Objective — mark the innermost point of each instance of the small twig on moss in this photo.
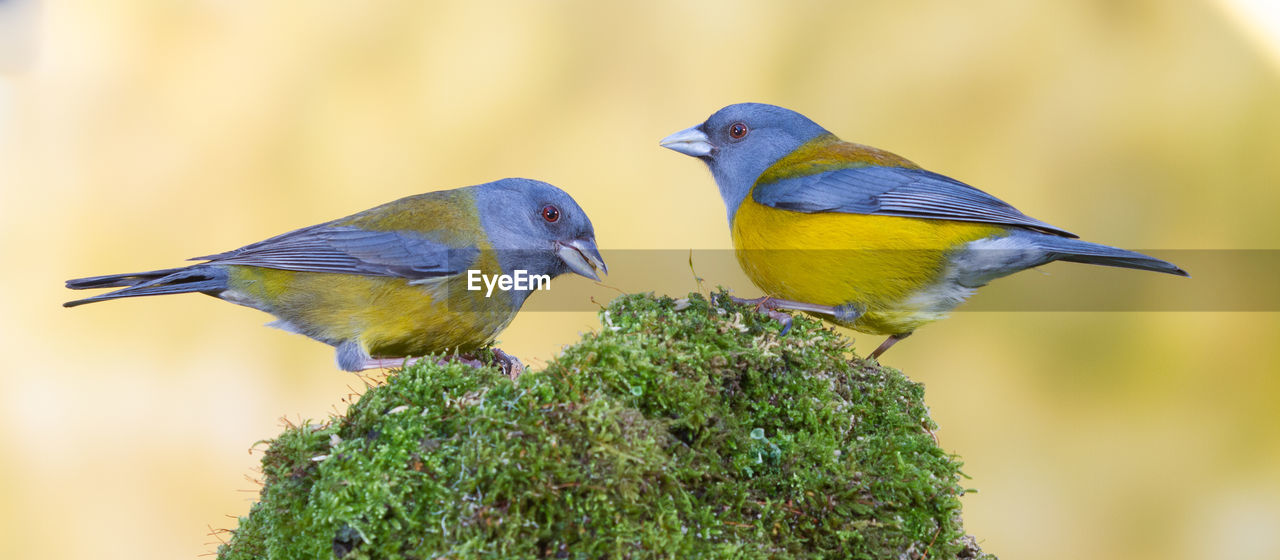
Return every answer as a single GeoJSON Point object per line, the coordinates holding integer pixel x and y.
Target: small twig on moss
{"type": "Point", "coordinates": [925, 554]}
{"type": "Point", "coordinates": [217, 534]}
{"type": "Point", "coordinates": [611, 287]}
{"type": "Point", "coordinates": [598, 304]}
{"type": "Point", "coordinates": [697, 279]}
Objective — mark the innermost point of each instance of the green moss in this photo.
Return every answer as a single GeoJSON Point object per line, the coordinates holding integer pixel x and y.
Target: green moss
{"type": "Point", "coordinates": [681, 430]}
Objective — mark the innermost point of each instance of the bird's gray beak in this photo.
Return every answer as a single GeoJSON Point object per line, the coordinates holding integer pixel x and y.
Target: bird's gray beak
{"type": "Point", "coordinates": [690, 142]}
{"type": "Point", "coordinates": [582, 257]}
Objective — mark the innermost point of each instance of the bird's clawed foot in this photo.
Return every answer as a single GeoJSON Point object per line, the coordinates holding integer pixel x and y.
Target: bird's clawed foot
{"type": "Point", "coordinates": [770, 307]}
{"type": "Point", "coordinates": [843, 314]}
{"type": "Point", "coordinates": [509, 364]}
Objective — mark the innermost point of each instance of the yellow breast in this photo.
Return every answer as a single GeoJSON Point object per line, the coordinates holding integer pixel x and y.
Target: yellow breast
{"type": "Point", "coordinates": [389, 316]}
{"type": "Point", "coordinates": [880, 263]}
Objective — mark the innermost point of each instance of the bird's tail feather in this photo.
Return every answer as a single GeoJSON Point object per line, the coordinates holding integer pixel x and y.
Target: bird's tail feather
{"type": "Point", "coordinates": [1075, 250]}
{"type": "Point", "coordinates": [199, 278]}
{"type": "Point", "coordinates": [119, 280]}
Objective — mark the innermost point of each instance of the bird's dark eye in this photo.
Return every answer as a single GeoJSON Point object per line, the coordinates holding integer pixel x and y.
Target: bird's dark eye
{"type": "Point", "coordinates": [550, 213]}
{"type": "Point", "coordinates": [738, 130]}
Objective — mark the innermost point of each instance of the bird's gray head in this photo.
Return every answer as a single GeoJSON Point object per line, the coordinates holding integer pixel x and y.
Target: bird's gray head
{"type": "Point", "coordinates": [740, 141]}
{"type": "Point", "coordinates": [538, 228]}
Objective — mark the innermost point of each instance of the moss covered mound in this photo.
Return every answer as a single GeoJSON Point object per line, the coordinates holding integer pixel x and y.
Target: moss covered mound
{"type": "Point", "coordinates": [684, 429]}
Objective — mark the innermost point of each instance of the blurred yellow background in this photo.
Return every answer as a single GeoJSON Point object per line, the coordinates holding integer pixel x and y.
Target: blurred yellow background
{"type": "Point", "coordinates": [135, 134]}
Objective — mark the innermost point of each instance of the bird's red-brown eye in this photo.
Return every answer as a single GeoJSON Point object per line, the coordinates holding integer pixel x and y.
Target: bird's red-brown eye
{"type": "Point", "coordinates": [738, 130]}
{"type": "Point", "coordinates": [550, 213]}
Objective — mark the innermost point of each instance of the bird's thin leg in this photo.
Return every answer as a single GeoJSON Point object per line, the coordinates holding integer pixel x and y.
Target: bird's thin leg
{"type": "Point", "coordinates": [886, 345]}
{"type": "Point", "coordinates": [470, 360]}
{"type": "Point", "coordinates": [847, 313]}
{"type": "Point", "coordinates": [387, 363]}
{"type": "Point", "coordinates": [510, 364]}
{"type": "Point", "coordinates": [771, 303]}
{"type": "Point", "coordinates": [401, 363]}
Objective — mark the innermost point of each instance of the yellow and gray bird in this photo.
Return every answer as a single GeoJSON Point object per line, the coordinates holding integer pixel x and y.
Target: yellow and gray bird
{"type": "Point", "coordinates": [862, 236]}
{"type": "Point", "coordinates": [408, 278]}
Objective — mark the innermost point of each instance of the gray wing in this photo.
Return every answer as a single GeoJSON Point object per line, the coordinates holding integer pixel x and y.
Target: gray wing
{"type": "Point", "coordinates": [894, 191]}
{"type": "Point", "coordinates": [351, 250]}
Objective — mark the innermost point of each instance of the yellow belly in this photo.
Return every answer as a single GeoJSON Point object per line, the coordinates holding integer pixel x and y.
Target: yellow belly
{"type": "Point", "coordinates": [389, 316]}
{"type": "Point", "coordinates": [885, 265]}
